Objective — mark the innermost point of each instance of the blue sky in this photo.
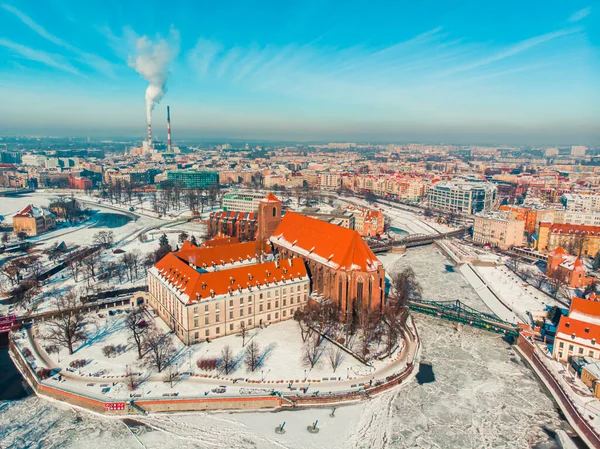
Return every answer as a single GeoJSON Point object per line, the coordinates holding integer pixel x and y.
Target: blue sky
{"type": "Point", "coordinates": [469, 71]}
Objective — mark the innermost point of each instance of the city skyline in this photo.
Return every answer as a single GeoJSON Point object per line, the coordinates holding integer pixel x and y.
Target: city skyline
{"type": "Point", "coordinates": [507, 73]}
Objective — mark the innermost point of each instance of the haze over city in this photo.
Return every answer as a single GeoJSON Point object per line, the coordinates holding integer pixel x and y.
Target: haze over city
{"type": "Point", "coordinates": [390, 71]}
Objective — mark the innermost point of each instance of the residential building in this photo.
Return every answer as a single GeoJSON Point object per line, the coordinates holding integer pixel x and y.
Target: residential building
{"type": "Point", "coordinates": [33, 221]}
{"type": "Point", "coordinates": [578, 333]}
{"type": "Point", "coordinates": [581, 202]}
{"type": "Point", "coordinates": [497, 229]}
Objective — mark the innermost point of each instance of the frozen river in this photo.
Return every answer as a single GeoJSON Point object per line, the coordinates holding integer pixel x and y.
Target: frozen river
{"type": "Point", "coordinates": [441, 281]}
{"type": "Point", "coordinates": [482, 397]}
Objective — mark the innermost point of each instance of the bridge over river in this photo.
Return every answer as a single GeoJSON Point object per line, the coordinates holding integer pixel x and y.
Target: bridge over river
{"type": "Point", "coordinates": [461, 313]}
{"type": "Point", "coordinates": [412, 240]}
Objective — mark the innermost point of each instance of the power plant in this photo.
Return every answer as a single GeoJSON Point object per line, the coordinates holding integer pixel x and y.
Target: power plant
{"type": "Point", "coordinates": [168, 129]}
{"type": "Point", "coordinates": [154, 146]}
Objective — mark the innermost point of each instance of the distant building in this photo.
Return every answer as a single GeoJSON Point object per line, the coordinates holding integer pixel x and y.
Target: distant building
{"type": "Point", "coordinates": [462, 196]}
{"type": "Point", "coordinates": [33, 221]}
{"type": "Point", "coordinates": [578, 333]}
{"type": "Point", "coordinates": [578, 150]}
{"type": "Point", "coordinates": [580, 240]}
{"type": "Point", "coordinates": [497, 229]}
{"type": "Point", "coordinates": [581, 202]}
{"type": "Point", "coordinates": [80, 182]}
{"type": "Point", "coordinates": [242, 201]}
{"type": "Point", "coordinates": [194, 179]}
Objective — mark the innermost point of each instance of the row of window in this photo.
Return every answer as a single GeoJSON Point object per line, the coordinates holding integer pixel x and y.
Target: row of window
{"type": "Point", "coordinates": [217, 333]}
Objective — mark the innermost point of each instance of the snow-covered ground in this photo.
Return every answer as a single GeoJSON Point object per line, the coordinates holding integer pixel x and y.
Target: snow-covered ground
{"type": "Point", "coordinates": [482, 397]}
{"type": "Point", "coordinates": [280, 346]}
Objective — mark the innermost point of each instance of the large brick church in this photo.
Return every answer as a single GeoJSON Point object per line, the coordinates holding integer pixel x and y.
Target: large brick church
{"type": "Point", "coordinates": [341, 266]}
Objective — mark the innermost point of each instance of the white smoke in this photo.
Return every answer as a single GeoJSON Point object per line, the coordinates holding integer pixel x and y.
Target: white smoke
{"type": "Point", "coordinates": [152, 61]}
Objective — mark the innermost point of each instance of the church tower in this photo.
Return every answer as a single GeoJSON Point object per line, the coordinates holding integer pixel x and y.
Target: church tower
{"type": "Point", "coordinates": [269, 217]}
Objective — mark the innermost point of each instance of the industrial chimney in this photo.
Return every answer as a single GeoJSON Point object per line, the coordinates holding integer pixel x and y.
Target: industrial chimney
{"type": "Point", "coordinates": [149, 136]}
{"type": "Point", "coordinates": [168, 129]}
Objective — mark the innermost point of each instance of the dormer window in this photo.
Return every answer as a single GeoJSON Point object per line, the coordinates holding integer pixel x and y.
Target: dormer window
{"type": "Point", "coordinates": [573, 336]}
{"type": "Point", "coordinates": [587, 330]}
{"type": "Point", "coordinates": [567, 324]}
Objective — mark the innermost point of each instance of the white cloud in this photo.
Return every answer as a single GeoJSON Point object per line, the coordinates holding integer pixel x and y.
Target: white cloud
{"type": "Point", "coordinates": [49, 59]}
{"type": "Point", "coordinates": [581, 14]}
{"type": "Point", "coordinates": [92, 60]}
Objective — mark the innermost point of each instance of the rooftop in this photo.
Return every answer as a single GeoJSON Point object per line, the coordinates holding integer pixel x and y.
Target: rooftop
{"type": "Point", "coordinates": [193, 286]}
{"type": "Point", "coordinates": [329, 244]}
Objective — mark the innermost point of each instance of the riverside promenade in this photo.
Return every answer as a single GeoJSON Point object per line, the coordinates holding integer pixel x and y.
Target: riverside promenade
{"type": "Point", "coordinates": [532, 356]}
{"type": "Point", "coordinates": [69, 387]}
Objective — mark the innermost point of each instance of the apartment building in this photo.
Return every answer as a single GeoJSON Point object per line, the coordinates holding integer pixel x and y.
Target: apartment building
{"type": "Point", "coordinates": [581, 202]}
{"type": "Point", "coordinates": [497, 229]}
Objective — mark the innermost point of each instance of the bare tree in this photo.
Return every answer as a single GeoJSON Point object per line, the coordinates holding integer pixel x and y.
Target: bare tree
{"type": "Point", "coordinates": [311, 351]}
{"type": "Point", "coordinates": [368, 324]}
{"type": "Point", "coordinates": [75, 268]}
{"type": "Point", "coordinates": [406, 286]}
{"type": "Point", "coordinates": [67, 328]}
{"type": "Point", "coordinates": [556, 283]}
{"type": "Point", "coordinates": [137, 327]}
{"type": "Point", "coordinates": [133, 378]}
{"type": "Point", "coordinates": [104, 238]}
{"type": "Point", "coordinates": [538, 278]}
{"type": "Point", "coordinates": [335, 355]}
{"type": "Point", "coordinates": [393, 322]}
{"type": "Point", "coordinates": [160, 348]}
{"type": "Point", "coordinates": [171, 375]}
{"type": "Point", "coordinates": [243, 333]}
{"type": "Point", "coordinates": [253, 356]}
{"type": "Point", "coordinates": [91, 262]}
{"type": "Point", "coordinates": [227, 361]}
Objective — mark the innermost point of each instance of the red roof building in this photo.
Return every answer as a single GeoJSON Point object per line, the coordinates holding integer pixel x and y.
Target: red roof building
{"type": "Point", "coordinates": [578, 334]}
{"type": "Point", "coordinates": [341, 265]}
{"type": "Point", "coordinates": [204, 293]}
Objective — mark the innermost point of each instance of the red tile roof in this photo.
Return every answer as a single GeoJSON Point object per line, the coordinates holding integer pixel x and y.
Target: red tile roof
{"type": "Point", "coordinates": [204, 257]}
{"type": "Point", "coordinates": [326, 243]}
{"type": "Point", "coordinates": [574, 229]}
{"type": "Point", "coordinates": [270, 198]}
{"type": "Point", "coordinates": [585, 310]}
{"type": "Point", "coordinates": [581, 329]}
{"type": "Point", "coordinates": [197, 286]}
{"type": "Point", "coordinates": [219, 240]}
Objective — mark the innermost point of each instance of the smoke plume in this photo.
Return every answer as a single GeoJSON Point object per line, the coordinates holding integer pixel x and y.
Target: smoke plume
{"type": "Point", "coordinates": [152, 61]}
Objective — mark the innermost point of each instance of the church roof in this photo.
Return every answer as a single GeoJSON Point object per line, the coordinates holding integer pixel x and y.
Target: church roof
{"type": "Point", "coordinates": [559, 251]}
{"type": "Point", "coordinates": [270, 198]}
{"type": "Point", "coordinates": [326, 243]}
